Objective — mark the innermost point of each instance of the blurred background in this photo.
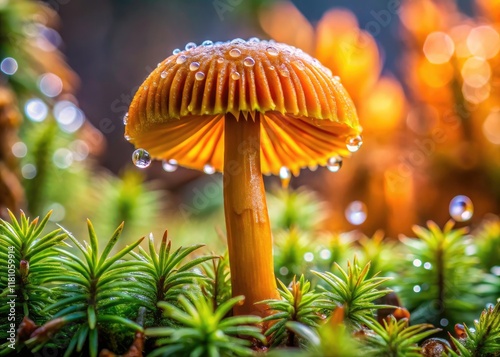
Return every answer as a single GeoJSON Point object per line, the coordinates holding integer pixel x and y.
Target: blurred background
{"type": "Point", "coordinates": [424, 75]}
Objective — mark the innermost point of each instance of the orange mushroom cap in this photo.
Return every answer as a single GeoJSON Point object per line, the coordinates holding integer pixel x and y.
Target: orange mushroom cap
{"type": "Point", "coordinates": [306, 114]}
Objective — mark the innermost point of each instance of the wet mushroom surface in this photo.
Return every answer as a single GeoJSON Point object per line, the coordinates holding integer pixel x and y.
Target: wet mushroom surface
{"type": "Point", "coordinates": [244, 108]}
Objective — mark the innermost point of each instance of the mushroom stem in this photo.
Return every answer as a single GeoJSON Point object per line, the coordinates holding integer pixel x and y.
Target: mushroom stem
{"type": "Point", "coordinates": [247, 221]}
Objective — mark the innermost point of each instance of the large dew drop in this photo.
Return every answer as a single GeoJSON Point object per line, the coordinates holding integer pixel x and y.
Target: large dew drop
{"type": "Point", "coordinates": [354, 143]}
{"type": "Point", "coordinates": [208, 169]}
{"type": "Point", "coordinates": [169, 165]}
{"type": "Point", "coordinates": [355, 213]}
{"type": "Point", "coordinates": [141, 158]}
{"type": "Point", "coordinates": [272, 51]}
{"type": "Point", "coordinates": [199, 76]}
{"type": "Point", "coordinates": [194, 66]}
{"type": "Point", "coordinates": [334, 163]}
{"type": "Point", "coordinates": [235, 53]}
{"type": "Point", "coordinates": [285, 176]}
{"type": "Point", "coordinates": [235, 76]}
{"type": "Point", "coordinates": [461, 208]}
{"type": "Point", "coordinates": [300, 65]}
{"type": "Point", "coordinates": [283, 70]}
{"type": "Point", "coordinates": [181, 59]}
{"type": "Point", "coordinates": [249, 62]}
{"type": "Point", "coordinates": [190, 45]}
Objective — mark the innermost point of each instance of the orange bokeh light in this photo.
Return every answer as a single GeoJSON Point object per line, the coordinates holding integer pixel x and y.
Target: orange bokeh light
{"type": "Point", "coordinates": [438, 47]}
{"type": "Point", "coordinates": [459, 34]}
{"type": "Point", "coordinates": [476, 95]}
{"type": "Point", "coordinates": [435, 75]}
{"type": "Point", "coordinates": [491, 127]}
{"type": "Point", "coordinates": [476, 72]}
{"type": "Point", "coordinates": [384, 106]}
{"type": "Point", "coordinates": [484, 42]}
{"type": "Point", "coordinates": [420, 17]}
{"type": "Point", "coordinates": [287, 24]}
{"type": "Point", "coordinates": [349, 52]}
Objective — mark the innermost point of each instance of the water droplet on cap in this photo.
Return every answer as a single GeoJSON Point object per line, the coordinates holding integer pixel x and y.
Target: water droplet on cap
{"type": "Point", "coordinates": [249, 62]}
{"type": "Point", "coordinates": [199, 76]}
{"type": "Point", "coordinates": [208, 169]}
{"type": "Point", "coordinates": [334, 163]}
{"type": "Point", "coordinates": [337, 78]}
{"type": "Point", "coordinates": [127, 137]}
{"type": "Point", "coordinates": [163, 74]}
{"type": "Point", "coordinates": [141, 158]}
{"type": "Point", "coordinates": [284, 70]}
{"type": "Point", "coordinates": [220, 60]}
{"type": "Point", "coordinates": [169, 165]}
{"type": "Point", "coordinates": [354, 143]}
{"type": "Point", "coordinates": [253, 40]}
{"type": "Point", "coordinates": [181, 59]}
{"type": "Point", "coordinates": [299, 64]}
{"type": "Point", "coordinates": [125, 119]}
{"type": "Point", "coordinates": [238, 40]}
{"type": "Point", "coordinates": [207, 43]}
{"type": "Point", "coordinates": [190, 45]}
{"type": "Point", "coordinates": [235, 53]}
{"type": "Point", "coordinates": [285, 176]}
{"type": "Point", "coordinates": [356, 213]}
{"type": "Point", "coordinates": [194, 66]}
{"type": "Point", "coordinates": [176, 51]}
{"type": "Point", "coordinates": [461, 208]}
{"type": "Point", "coordinates": [235, 76]}
{"type": "Point", "coordinates": [272, 51]}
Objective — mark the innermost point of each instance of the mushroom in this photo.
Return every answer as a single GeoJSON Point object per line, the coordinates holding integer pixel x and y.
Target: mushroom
{"type": "Point", "coordinates": [245, 108]}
